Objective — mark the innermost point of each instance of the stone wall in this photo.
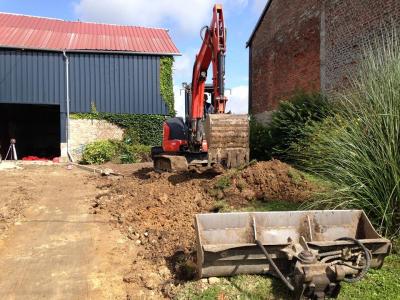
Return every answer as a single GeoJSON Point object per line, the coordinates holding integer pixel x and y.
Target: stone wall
{"type": "Point", "coordinates": [83, 132]}
{"type": "Point", "coordinates": [285, 53]}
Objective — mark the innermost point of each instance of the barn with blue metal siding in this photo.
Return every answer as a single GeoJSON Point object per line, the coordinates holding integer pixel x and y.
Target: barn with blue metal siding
{"type": "Point", "coordinates": [44, 62]}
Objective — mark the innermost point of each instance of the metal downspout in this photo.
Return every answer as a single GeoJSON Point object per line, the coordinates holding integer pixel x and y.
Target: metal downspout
{"type": "Point", "coordinates": [68, 102]}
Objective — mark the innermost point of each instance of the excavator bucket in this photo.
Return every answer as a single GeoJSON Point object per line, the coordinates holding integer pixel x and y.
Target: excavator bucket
{"type": "Point", "coordinates": [311, 251]}
{"type": "Point", "coordinates": [228, 139]}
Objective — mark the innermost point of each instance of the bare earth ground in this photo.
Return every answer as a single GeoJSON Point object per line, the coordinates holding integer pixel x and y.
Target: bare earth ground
{"type": "Point", "coordinates": [50, 246]}
{"type": "Point", "coordinates": [156, 211]}
{"type": "Point", "coordinates": [70, 234]}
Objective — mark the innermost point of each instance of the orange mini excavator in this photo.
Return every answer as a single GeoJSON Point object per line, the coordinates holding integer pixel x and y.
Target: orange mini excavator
{"type": "Point", "coordinates": [208, 135]}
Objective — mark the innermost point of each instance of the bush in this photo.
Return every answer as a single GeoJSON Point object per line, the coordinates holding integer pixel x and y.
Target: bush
{"type": "Point", "coordinates": [128, 154]}
{"type": "Point", "coordinates": [358, 148]}
{"type": "Point", "coordinates": [131, 136]}
{"type": "Point", "coordinates": [290, 124]}
{"type": "Point", "coordinates": [291, 120]}
{"type": "Point", "coordinates": [99, 152]}
{"type": "Point", "coordinates": [260, 141]}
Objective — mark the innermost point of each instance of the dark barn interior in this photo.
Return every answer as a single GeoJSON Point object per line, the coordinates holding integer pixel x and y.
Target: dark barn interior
{"type": "Point", "coordinates": [36, 129]}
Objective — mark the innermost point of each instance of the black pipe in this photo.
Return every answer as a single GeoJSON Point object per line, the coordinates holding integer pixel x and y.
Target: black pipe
{"type": "Point", "coordinates": [367, 259]}
{"type": "Point", "coordinates": [281, 276]}
{"type": "Point", "coordinates": [221, 73]}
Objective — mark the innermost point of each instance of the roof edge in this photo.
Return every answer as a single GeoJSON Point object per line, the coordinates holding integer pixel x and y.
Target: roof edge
{"type": "Point", "coordinates": [91, 51]}
{"type": "Point", "coordinates": [85, 22]}
{"type": "Point", "coordinates": [267, 5]}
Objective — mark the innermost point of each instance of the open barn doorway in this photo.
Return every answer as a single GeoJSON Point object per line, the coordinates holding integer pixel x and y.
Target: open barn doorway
{"type": "Point", "coordinates": [36, 129]}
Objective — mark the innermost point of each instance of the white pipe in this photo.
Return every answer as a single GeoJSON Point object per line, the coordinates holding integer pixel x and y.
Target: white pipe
{"type": "Point", "coordinates": [68, 102]}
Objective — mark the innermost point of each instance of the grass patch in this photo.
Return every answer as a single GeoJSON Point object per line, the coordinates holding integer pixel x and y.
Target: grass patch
{"type": "Point", "coordinates": [378, 284]}
{"type": "Point", "coordinates": [221, 206]}
{"type": "Point", "coordinates": [238, 287]}
{"type": "Point", "coordinates": [276, 205]}
{"type": "Point", "coordinates": [223, 182]}
{"type": "Point", "coordinates": [257, 205]}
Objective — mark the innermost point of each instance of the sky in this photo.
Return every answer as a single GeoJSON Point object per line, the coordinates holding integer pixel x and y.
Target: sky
{"type": "Point", "coordinates": [183, 18]}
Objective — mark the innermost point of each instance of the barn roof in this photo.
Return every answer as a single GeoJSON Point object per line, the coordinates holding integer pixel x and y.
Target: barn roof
{"type": "Point", "coordinates": [29, 32]}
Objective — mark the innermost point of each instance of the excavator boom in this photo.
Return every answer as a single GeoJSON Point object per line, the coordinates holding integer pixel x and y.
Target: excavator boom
{"type": "Point", "coordinates": [208, 135]}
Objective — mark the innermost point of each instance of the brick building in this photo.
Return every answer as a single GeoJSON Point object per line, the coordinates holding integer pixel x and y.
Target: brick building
{"type": "Point", "coordinates": [310, 45]}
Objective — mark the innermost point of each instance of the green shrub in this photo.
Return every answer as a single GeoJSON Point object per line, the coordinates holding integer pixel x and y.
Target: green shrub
{"type": "Point", "coordinates": [260, 141]}
{"type": "Point", "coordinates": [223, 182]}
{"type": "Point", "coordinates": [358, 148]}
{"type": "Point", "coordinates": [290, 124]}
{"type": "Point", "coordinates": [131, 136]}
{"type": "Point", "coordinates": [291, 120]}
{"type": "Point", "coordinates": [136, 153]}
{"type": "Point", "coordinates": [99, 152]}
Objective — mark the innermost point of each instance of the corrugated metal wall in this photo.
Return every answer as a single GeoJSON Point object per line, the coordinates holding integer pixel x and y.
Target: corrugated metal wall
{"type": "Point", "coordinates": [28, 77]}
{"type": "Point", "coordinates": [116, 83]}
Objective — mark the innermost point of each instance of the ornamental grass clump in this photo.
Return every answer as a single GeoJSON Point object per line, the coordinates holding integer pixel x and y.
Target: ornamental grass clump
{"type": "Point", "coordinates": [357, 149]}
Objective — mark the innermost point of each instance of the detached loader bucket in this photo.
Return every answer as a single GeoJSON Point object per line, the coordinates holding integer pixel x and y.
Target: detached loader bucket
{"type": "Point", "coordinates": [311, 251]}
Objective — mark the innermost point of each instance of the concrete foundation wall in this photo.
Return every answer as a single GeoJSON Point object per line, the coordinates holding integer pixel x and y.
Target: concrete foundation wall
{"type": "Point", "coordinates": [83, 132]}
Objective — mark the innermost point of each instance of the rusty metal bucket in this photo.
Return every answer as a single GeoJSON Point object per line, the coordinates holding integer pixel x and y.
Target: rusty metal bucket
{"type": "Point", "coordinates": [227, 245]}
{"type": "Point", "coordinates": [228, 139]}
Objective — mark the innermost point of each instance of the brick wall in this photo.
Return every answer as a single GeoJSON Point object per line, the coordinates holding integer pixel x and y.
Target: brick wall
{"type": "Point", "coordinates": [285, 53]}
{"type": "Point", "coordinates": [349, 24]}
{"type": "Point", "coordinates": [83, 132]}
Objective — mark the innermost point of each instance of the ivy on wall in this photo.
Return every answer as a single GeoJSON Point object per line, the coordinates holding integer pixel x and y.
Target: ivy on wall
{"type": "Point", "coordinates": [166, 83]}
{"type": "Point", "coordinates": [148, 128]}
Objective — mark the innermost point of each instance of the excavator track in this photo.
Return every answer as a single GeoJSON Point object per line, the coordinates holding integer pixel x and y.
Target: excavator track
{"type": "Point", "coordinates": [228, 139]}
{"type": "Point", "coordinates": [170, 163]}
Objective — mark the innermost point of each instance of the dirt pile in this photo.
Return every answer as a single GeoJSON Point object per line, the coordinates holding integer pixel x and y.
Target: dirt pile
{"type": "Point", "coordinates": [156, 212]}
{"type": "Point", "coordinates": [267, 181]}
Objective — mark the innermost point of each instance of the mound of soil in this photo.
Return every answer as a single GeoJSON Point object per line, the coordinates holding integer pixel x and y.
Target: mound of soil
{"type": "Point", "coordinates": [156, 212]}
{"type": "Point", "coordinates": [157, 209]}
{"type": "Point", "coordinates": [267, 181]}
